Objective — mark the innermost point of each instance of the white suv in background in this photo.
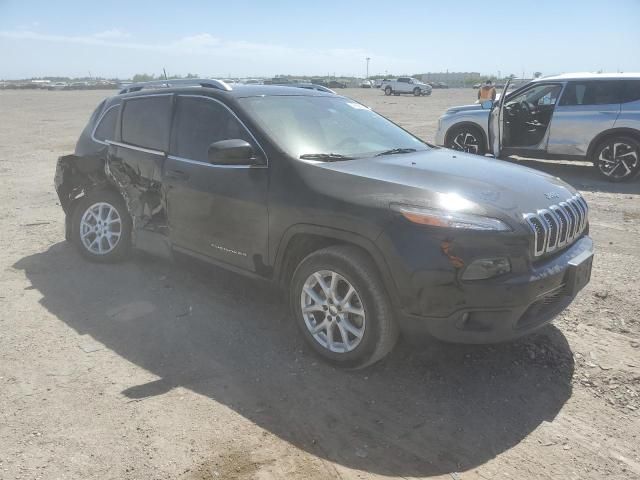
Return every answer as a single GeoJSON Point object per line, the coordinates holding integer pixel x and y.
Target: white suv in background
{"type": "Point", "coordinates": [579, 116]}
{"type": "Point", "coordinates": [405, 85]}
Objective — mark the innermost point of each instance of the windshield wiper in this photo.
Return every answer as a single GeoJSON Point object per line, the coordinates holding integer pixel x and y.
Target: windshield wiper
{"type": "Point", "coordinates": [327, 157]}
{"type": "Point", "coordinates": [393, 151]}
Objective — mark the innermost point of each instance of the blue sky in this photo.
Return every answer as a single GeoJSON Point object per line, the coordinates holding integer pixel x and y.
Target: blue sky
{"type": "Point", "coordinates": [250, 38]}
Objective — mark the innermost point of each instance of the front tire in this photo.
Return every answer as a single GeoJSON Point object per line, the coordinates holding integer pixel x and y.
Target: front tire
{"type": "Point", "coordinates": [342, 308]}
{"type": "Point", "coordinates": [101, 227]}
{"type": "Point", "coordinates": [617, 158]}
{"type": "Point", "coordinates": [466, 139]}
{"type": "Point", "coordinates": [416, 92]}
{"type": "Point", "coordinates": [387, 91]}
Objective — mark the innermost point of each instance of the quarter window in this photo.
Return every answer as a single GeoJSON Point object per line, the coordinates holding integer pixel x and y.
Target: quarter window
{"type": "Point", "coordinates": [107, 126]}
{"type": "Point", "coordinates": [198, 123]}
{"type": "Point", "coordinates": [597, 92]}
{"type": "Point", "coordinates": [631, 90]}
{"type": "Point", "coordinates": [146, 121]}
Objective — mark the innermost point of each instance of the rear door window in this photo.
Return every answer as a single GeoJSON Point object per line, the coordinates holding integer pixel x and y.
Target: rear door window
{"type": "Point", "coordinates": [594, 92]}
{"type": "Point", "coordinates": [198, 123]}
{"type": "Point", "coordinates": [107, 127]}
{"type": "Point", "coordinates": [146, 122]}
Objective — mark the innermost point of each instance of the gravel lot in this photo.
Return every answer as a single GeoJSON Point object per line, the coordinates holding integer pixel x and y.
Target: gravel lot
{"type": "Point", "coordinates": [150, 369]}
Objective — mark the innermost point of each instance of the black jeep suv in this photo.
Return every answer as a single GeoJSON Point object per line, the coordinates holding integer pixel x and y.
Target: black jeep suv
{"type": "Point", "coordinates": [370, 230]}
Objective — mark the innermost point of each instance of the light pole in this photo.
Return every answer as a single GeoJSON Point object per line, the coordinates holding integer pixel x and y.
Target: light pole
{"type": "Point", "coordinates": [367, 59]}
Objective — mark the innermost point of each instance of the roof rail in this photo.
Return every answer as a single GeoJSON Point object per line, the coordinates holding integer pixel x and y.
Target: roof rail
{"type": "Point", "coordinates": [188, 82]}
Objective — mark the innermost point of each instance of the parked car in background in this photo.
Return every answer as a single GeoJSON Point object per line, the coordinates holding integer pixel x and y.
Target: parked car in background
{"type": "Point", "coordinates": [378, 83]}
{"type": "Point", "coordinates": [370, 230]}
{"type": "Point", "coordinates": [593, 117]}
{"type": "Point", "coordinates": [336, 84]}
{"type": "Point", "coordinates": [405, 85]}
{"type": "Point", "coordinates": [366, 84]}
{"type": "Point", "coordinates": [57, 86]}
{"type": "Point", "coordinates": [438, 85]}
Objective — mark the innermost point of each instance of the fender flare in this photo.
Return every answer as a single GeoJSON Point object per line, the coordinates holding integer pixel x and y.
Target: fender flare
{"type": "Point", "coordinates": [342, 236]}
{"type": "Point", "coordinates": [612, 131]}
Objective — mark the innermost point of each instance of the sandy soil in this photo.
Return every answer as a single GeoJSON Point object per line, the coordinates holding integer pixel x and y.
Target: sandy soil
{"type": "Point", "coordinates": [150, 369]}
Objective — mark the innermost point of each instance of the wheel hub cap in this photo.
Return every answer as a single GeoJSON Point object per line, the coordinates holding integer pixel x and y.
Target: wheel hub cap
{"type": "Point", "coordinates": [332, 311]}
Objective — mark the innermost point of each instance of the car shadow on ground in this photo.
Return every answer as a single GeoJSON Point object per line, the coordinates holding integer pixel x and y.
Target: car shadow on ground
{"type": "Point", "coordinates": [427, 409]}
{"type": "Point", "coordinates": [581, 175]}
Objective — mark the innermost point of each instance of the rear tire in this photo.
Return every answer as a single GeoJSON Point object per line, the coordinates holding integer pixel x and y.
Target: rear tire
{"type": "Point", "coordinates": [387, 91]}
{"type": "Point", "coordinates": [347, 318]}
{"type": "Point", "coordinates": [466, 138]}
{"type": "Point", "coordinates": [617, 158]}
{"type": "Point", "coordinates": [101, 227]}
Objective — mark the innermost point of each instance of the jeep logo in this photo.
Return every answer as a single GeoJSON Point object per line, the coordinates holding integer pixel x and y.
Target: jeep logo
{"type": "Point", "coordinates": [551, 195]}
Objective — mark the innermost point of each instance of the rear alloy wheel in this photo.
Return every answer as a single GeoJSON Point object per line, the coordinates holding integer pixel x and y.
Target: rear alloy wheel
{"type": "Point", "coordinates": [387, 91]}
{"type": "Point", "coordinates": [102, 227]}
{"type": "Point", "coordinates": [466, 139]}
{"type": "Point", "coordinates": [618, 158]}
{"type": "Point", "coordinates": [416, 92]}
{"type": "Point", "coordinates": [342, 308]}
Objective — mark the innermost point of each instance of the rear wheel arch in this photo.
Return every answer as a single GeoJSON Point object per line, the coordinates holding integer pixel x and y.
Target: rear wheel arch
{"type": "Point", "coordinates": [301, 240]}
{"type": "Point", "coordinates": [602, 136]}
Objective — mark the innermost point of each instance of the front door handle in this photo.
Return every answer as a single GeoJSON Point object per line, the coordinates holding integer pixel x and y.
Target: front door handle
{"type": "Point", "coordinates": [177, 175]}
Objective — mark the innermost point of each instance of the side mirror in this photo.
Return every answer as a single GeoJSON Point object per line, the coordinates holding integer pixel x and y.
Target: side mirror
{"type": "Point", "coordinates": [487, 104]}
{"type": "Point", "coordinates": [231, 152]}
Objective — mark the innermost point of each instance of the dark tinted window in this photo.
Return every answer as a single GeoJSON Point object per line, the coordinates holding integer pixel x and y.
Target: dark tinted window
{"type": "Point", "coordinates": [596, 92]}
{"type": "Point", "coordinates": [198, 123]}
{"type": "Point", "coordinates": [146, 120]}
{"type": "Point", "coordinates": [631, 90]}
{"type": "Point", "coordinates": [107, 126]}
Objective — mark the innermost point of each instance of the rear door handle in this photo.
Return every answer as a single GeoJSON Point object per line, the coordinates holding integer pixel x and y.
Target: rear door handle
{"type": "Point", "coordinates": [177, 175]}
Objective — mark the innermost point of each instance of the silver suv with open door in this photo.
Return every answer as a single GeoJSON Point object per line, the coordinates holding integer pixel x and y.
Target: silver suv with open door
{"type": "Point", "coordinates": [593, 117]}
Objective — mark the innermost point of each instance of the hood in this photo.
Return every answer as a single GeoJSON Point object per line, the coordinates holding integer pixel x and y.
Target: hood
{"type": "Point", "coordinates": [442, 178]}
{"type": "Point", "coordinates": [466, 108]}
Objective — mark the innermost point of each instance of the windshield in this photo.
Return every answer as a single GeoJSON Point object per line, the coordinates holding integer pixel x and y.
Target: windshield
{"type": "Point", "coordinates": [314, 126]}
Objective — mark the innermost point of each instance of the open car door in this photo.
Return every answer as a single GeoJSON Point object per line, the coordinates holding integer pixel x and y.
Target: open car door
{"type": "Point", "coordinates": [495, 123]}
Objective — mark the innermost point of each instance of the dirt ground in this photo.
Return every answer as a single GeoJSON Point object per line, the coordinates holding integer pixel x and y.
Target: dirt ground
{"type": "Point", "coordinates": [157, 370]}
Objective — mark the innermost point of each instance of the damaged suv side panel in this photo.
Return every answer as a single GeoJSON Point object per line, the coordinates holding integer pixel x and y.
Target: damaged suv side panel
{"type": "Point", "coordinates": [97, 164]}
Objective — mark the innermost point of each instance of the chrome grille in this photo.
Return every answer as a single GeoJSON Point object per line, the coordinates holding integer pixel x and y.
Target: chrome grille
{"type": "Point", "coordinates": [559, 225]}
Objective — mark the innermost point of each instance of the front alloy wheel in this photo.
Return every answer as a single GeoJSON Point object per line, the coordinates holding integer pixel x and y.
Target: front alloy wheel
{"type": "Point", "coordinates": [466, 140]}
{"type": "Point", "coordinates": [341, 306]}
{"type": "Point", "coordinates": [618, 159]}
{"type": "Point", "coordinates": [332, 311]}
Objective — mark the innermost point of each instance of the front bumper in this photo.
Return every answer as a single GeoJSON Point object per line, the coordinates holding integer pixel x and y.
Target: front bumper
{"type": "Point", "coordinates": [496, 311]}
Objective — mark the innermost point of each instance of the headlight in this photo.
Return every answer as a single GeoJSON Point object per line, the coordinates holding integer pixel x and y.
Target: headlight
{"type": "Point", "coordinates": [449, 219]}
{"type": "Point", "coordinates": [486, 268]}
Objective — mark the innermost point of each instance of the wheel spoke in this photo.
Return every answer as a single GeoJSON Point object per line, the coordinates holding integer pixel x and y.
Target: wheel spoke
{"type": "Point", "coordinates": [319, 327]}
{"type": "Point", "coordinates": [344, 335]}
{"type": "Point", "coordinates": [330, 337]}
{"type": "Point", "coordinates": [323, 286]}
{"type": "Point", "coordinates": [312, 308]}
{"type": "Point", "coordinates": [314, 296]}
{"type": "Point", "coordinates": [353, 310]}
{"type": "Point", "coordinates": [352, 329]}
{"type": "Point", "coordinates": [347, 296]}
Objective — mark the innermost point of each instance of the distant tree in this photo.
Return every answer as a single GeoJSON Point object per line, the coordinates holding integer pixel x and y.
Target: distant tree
{"type": "Point", "coordinates": [143, 77]}
{"type": "Point", "coordinates": [537, 74]}
{"type": "Point", "coordinates": [192, 75]}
